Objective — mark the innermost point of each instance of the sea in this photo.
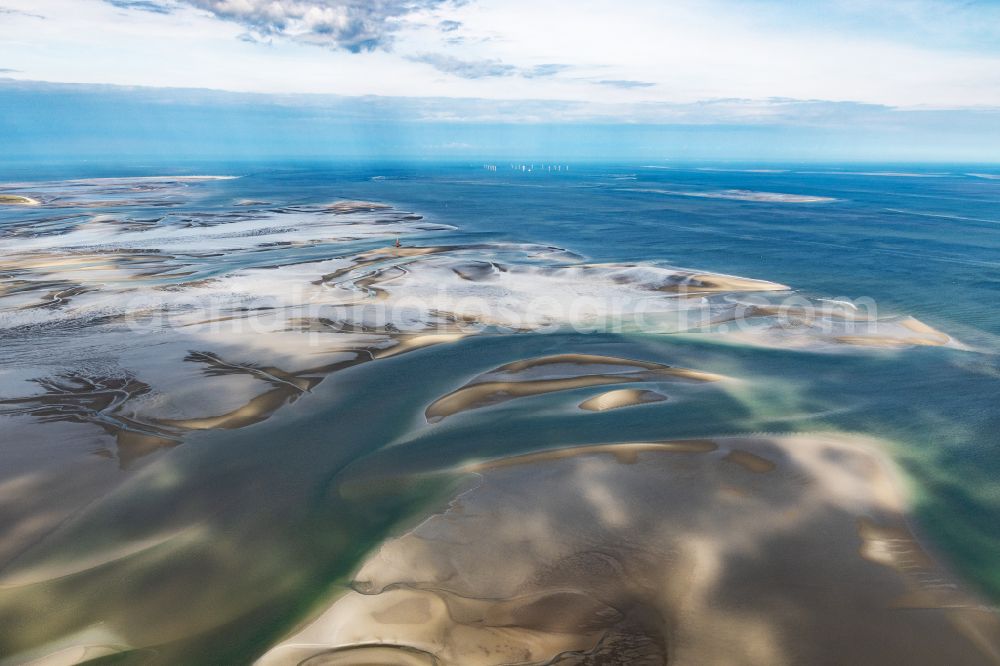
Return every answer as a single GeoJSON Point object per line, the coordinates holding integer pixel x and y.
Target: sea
{"type": "Point", "coordinates": [198, 453]}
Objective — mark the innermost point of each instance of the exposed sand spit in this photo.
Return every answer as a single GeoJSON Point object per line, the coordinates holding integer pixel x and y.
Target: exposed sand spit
{"type": "Point", "coordinates": [346, 206]}
{"type": "Point", "coordinates": [626, 454]}
{"type": "Point", "coordinates": [621, 398]}
{"type": "Point", "coordinates": [745, 195]}
{"type": "Point", "coordinates": [575, 363]}
{"type": "Point", "coordinates": [715, 282]}
{"type": "Point", "coordinates": [17, 200]}
{"type": "Point", "coordinates": [908, 332]}
{"type": "Point", "coordinates": [756, 551]}
{"type": "Point", "coordinates": [550, 374]}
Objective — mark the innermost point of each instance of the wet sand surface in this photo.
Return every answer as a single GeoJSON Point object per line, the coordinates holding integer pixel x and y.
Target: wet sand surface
{"type": "Point", "coordinates": [621, 398]}
{"type": "Point", "coordinates": [752, 551]}
{"type": "Point", "coordinates": [16, 200]}
{"type": "Point", "coordinates": [553, 374]}
{"type": "Point", "coordinates": [206, 428]}
{"type": "Point", "coordinates": [188, 280]}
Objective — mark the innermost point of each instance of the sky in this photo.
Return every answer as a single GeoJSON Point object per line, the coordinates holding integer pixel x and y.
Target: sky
{"type": "Point", "coordinates": [706, 79]}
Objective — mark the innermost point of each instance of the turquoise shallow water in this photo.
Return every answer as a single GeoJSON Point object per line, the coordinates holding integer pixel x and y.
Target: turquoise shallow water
{"type": "Point", "coordinates": [281, 533]}
{"type": "Point", "coordinates": [926, 243]}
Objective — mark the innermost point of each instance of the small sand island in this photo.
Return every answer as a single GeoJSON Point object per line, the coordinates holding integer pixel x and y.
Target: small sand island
{"type": "Point", "coordinates": [750, 195]}
{"type": "Point", "coordinates": [563, 372]}
{"type": "Point", "coordinates": [17, 200]}
{"type": "Point", "coordinates": [345, 207]}
{"type": "Point", "coordinates": [621, 398]}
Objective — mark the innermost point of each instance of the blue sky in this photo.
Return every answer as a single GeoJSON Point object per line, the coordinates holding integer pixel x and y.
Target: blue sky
{"type": "Point", "coordinates": [712, 79]}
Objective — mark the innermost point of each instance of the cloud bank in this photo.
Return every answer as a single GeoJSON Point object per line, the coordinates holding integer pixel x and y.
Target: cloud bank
{"type": "Point", "coordinates": [626, 84]}
{"type": "Point", "coordinates": [51, 122]}
{"type": "Point", "coordinates": [142, 5]}
{"type": "Point", "coordinates": [351, 25]}
{"type": "Point", "coordinates": [736, 112]}
{"type": "Point", "coordinates": [484, 69]}
{"type": "Point", "coordinates": [17, 12]}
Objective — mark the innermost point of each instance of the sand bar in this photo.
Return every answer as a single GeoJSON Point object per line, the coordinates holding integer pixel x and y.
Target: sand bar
{"type": "Point", "coordinates": [621, 398]}
{"type": "Point", "coordinates": [550, 374]}
{"type": "Point", "coordinates": [746, 551]}
{"type": "Point", "coordinates": [17, 200]}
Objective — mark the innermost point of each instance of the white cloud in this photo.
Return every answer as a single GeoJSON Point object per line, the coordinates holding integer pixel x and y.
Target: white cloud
{"type": "Point", "coordinates": [485, 69]}
{"type": "Point", "coordinates": [645, 52]}
{"type": "Point", "coordinates": [354, 25]}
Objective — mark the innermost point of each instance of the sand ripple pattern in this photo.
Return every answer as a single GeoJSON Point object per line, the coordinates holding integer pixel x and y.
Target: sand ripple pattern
{"type": "Point", "coordinates": [720, 551]}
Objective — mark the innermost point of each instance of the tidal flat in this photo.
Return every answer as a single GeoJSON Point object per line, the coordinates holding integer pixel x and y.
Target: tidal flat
{"type": "Point", "coordinates": [404, 416]}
